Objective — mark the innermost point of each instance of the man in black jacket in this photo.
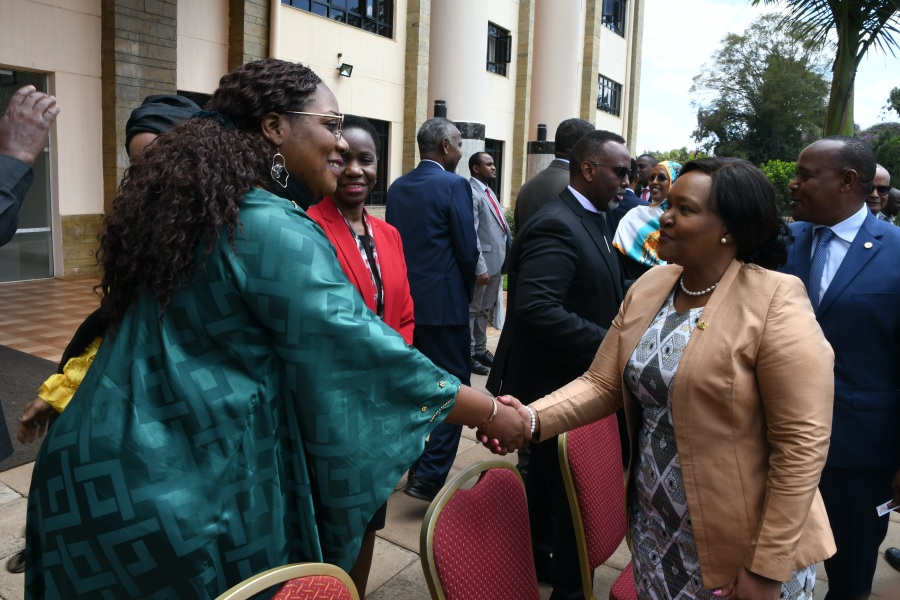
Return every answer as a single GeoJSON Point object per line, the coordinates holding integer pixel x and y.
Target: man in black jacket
{"type": "Point", "coordinates": [565, 287]}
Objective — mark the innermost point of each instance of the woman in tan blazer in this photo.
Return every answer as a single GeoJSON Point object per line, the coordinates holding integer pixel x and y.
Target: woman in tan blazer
{"type": "Point", "coordinates": [722, 486]}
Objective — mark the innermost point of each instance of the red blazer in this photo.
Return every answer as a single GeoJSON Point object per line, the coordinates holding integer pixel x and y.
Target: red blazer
{"type": "Point", "coordinates": [398, 304]}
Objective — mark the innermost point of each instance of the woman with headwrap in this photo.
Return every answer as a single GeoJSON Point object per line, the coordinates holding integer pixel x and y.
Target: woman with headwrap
{"type": "Point", "coordinates": [637, 235]}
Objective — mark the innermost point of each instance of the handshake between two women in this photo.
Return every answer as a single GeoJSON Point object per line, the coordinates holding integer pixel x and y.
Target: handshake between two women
{"type": "Point", "coordinates": [510, 428]}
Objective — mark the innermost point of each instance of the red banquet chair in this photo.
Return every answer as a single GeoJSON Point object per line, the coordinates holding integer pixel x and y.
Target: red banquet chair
{"type": "Point", "coordinates": [591, 461]}
{"type": "Point", "coordinates": [476, 543]}
{"type": "Point", "coordinates": [303, 581]}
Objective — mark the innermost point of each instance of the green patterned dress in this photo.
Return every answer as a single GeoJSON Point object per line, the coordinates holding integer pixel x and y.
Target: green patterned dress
{"type": "Point", "coordinates": [259, 421]}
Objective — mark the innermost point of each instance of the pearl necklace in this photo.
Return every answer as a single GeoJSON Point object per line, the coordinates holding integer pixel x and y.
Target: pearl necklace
{"type": "Point", "coordinates": [700, 293]}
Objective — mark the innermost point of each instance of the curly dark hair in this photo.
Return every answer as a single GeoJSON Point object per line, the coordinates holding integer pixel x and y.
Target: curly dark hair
{"type": "Point", "coordinates": [746, 201]}
{"type": "Point", "coordinates": [187, 188]}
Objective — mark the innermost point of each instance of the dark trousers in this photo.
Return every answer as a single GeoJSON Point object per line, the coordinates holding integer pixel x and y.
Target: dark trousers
{"type": "Point", "coordinates": [850, 497]}
{"type": "Point", "coordinates": [551, 522]}
{"type": "Point", "coordinates": [448, 348]}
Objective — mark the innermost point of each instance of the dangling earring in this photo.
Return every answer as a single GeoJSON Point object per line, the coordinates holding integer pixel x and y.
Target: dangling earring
{"type": "Point", "coordinates": [724, 241]}
{"type": "Point", "coordinates": [278, 169]}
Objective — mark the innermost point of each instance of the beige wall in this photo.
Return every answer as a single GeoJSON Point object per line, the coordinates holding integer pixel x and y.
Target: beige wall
{"type": "Point", "coordinates": [376, 87]}
{"type": "Point", "coordinates": [202, 44]}
{"type": "Point", "coordinates": [614, 65]}
{"type": "Point", "coordinates": [62, 39]}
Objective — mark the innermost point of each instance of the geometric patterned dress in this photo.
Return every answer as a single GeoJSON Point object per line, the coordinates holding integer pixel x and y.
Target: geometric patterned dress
{"type": "Point", "coordinates": [260, 420]}
{"type": "Point", "coordinates": [665, 555]}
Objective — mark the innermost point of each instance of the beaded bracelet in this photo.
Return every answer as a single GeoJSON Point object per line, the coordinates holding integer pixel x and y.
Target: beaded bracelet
{"type": "Point", "coordinates": [533, 419]}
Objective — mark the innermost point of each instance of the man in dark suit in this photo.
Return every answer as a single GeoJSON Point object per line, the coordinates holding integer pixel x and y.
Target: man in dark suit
{"type": "Point", "coordinates": [565, 287]}
{"type": "Point", "coordinates": [645, 164]}
{"type": "Point", "coordinates": [431, 207]}
{"type": "Point", "coordinates": [848, 260]}
{"type": "Point", "coordinates": [547, 184]}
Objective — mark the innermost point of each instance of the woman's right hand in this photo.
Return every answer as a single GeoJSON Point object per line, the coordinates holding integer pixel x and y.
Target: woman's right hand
{"type": "Point", "coordinates": [514, 432]}
{"type": "Point", "coordinates": [34, 420]}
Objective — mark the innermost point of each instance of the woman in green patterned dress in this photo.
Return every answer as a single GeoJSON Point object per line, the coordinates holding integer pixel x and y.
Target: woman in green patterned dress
{"type": "Point", "coordinates": [246, 409]}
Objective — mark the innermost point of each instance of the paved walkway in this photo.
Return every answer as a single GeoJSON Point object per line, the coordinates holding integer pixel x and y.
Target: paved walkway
{"type": "Point", "coordinates": [39, 317]}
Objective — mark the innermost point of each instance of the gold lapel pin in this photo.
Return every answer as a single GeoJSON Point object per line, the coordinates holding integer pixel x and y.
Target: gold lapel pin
{"type": "Point", "coordinates": [702, 325]}
{"type": "Point", "coordinates": [867, 245]}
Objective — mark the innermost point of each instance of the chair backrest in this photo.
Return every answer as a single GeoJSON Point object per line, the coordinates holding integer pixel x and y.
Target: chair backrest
{"type": "Point", "coordinates": [476, 543]}
{"type": "Point", "coordinates": [303, 581]}
{"type": "Point", "coordinates": [590, 458]}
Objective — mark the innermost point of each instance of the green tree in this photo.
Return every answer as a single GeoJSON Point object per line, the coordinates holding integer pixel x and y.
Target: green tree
{"type": "Point", "coordinates": [859, 25]}
{"type": "Point", "coordinates": [894, 100]}
{"type": "Point", "coordinates": [766, 91]}
{"type": "Point", "coordinates": [780, 173]}
{"type": "Point", "coordinates": [884, 138]}
{"type": "Point", "coordinates": [679, 155]}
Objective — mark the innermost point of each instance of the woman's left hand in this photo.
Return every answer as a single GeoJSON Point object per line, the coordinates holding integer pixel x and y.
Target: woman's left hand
{"type": "Point", "coordinates": [746, 585]}
{"type": "Point", "coordinates": [506, 433]}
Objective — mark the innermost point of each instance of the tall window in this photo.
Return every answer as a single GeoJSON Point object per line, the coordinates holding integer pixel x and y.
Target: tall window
{"type": "Point", "coordinates": [380, 192]}
{"type": "Point", "coordinates": [495, 149]}
{"type": "Point", "coordinates": [376, 16]}
{"type": "Point", "coordinates": [499, 50]}
{"type": "Point", "coordinates": [609, 96]}
{"type": "Point", "coordinates": [614, 15]}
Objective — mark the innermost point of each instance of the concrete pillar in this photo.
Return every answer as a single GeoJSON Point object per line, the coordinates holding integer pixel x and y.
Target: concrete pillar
{"type": "Point", "coordinates": [415, 93]}
{"type": "Point", "coordinates": [248, 31]}
{"type": "Point", "coordinates": [458, 69]}
{"type": "Point", "coordinates": [137, 59]}
{"type": "Point", "coordinates": [556, 71]}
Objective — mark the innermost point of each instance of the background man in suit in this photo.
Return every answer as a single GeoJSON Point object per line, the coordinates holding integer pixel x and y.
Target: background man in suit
{"type": "Point", "coordinates": [645, 164]}
{"type": "Point", "coordinates": [431, 207]}
{"type": "Point", "coordinates": [547, 184]}
{"type": "Point", "coordinates": [847, 258]}
{"type": "Point", "coordinates": [493, 243]}
{"type": "Point", "coordinates": [24, 130]}
{"type": "Point", "coordinates": [878, 196]}
{"type": "Point", "coordinates": [891, 206]}
{"type": "Point", "coordinates": [565, 287]}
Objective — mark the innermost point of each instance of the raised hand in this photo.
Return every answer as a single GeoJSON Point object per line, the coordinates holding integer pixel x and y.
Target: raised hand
{"type": "Point", "coordinates": [25, 126]}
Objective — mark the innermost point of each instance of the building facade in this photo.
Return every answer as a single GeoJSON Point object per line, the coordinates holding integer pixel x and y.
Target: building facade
{"type": "Point", "coordinates": [500, 68]}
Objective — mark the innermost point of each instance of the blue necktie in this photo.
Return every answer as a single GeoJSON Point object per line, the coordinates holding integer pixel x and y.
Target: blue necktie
{"type": "Point", "coordinates": [817, 265]}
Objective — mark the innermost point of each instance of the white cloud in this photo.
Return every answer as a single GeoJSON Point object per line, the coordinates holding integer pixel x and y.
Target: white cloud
{"type": "Point", "coordinates": [675, 46]}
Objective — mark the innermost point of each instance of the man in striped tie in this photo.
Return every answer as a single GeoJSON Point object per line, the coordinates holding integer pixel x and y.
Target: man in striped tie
{"type": "Point", "coordinates": [494, 241]}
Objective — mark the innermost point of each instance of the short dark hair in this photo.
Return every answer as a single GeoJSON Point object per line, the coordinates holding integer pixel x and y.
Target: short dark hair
{"type": "Point", "coordinates": [652, 158]}
{"type": "Point", "coordinates": [355, 122]}
{"type": "Point", "coordinates": [432, 132]}
{"type": "Point", "coordinates": [569, 132]}
{"type": "Point", "coordinates": [475, 160]}
{"type": "Point", "coordinates": [591, 145]}
{"type": "Point", "coordinates": [747, 203]}
{"type": "Point", "coordinates": [857, 155]}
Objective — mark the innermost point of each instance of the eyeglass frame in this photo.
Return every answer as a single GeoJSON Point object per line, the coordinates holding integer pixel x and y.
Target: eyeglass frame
{"type": "Point", "coordinates": [340, 117]}
{"type": "Point", "coordinates": [620, 171]}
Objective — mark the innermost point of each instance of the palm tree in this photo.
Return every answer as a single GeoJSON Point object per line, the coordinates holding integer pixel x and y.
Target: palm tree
{"type": "Point", "coordinates": [859, 25]}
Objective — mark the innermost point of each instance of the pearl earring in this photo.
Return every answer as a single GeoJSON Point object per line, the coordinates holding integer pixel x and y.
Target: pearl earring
{"type": "Point", "coordinates": [724, 241]}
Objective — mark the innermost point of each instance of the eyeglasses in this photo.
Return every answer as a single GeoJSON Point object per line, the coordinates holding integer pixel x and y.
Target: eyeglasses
{"type": "Point", "coordinates": [620, 171]}
{"type": "Point", "coordinates": [335, 129]}
{"type": "Point", "coordinates": [657, 177]}
{"type": "Point", "coordinates": [883, 189]}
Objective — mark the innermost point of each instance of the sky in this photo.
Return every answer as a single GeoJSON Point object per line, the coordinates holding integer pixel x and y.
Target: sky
{"type": "Point", "coordinates": [675, 47]}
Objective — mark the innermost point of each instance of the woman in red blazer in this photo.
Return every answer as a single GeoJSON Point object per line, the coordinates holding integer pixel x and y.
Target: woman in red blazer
{"type": "Point", "coordinates": [371, 255]}
{"type": "Point", "coordinates": [369, 250]}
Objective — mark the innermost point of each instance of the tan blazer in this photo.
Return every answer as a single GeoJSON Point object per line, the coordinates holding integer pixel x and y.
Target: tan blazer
{"type": "Point", "coordinates": [752, 407]}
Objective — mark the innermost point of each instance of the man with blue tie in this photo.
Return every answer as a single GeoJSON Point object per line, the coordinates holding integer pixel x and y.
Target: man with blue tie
{"type": "Point", "coordinates": [847, 259]}
{"type": "Point", "coordinates": [431, 207]}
